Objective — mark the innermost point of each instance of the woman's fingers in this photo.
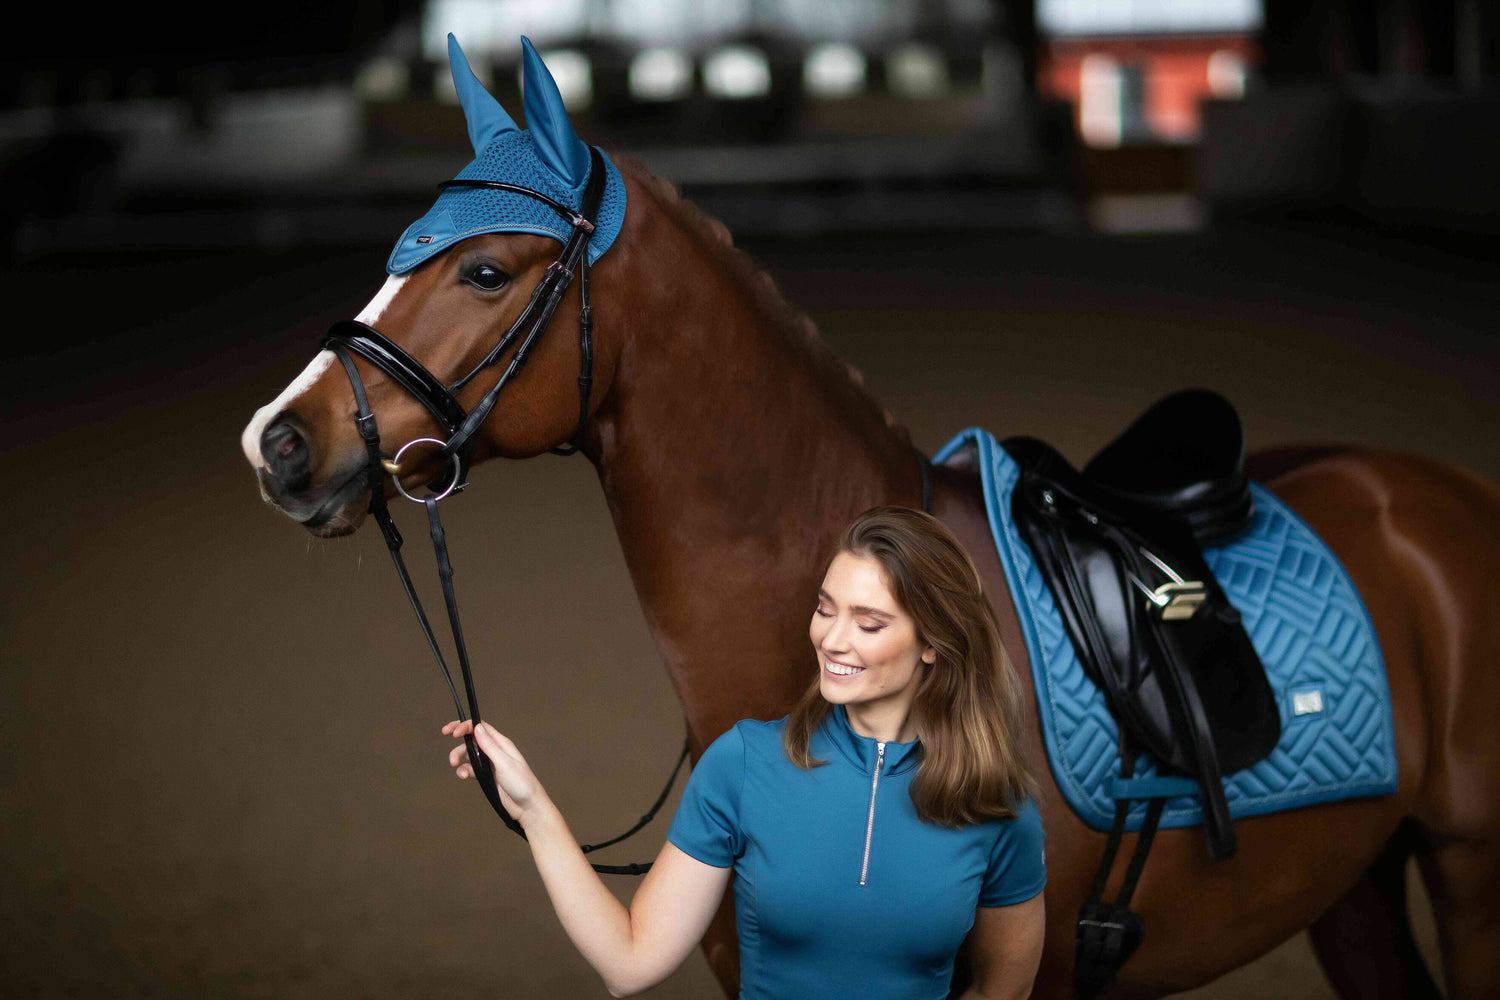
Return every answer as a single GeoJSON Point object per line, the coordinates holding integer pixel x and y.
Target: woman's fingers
{"type": "Point", "coordinates": [458, 755]}
{"type": "Point", "coordinates": [499, 739]}
{"type": "Point", "coordinates": [511, 774]}
{"type": "Point", "coordinates": [486, 733]}
{"type": "Point", "coordinates": [485, 737]}
{"type": "Point", "coordinates": [496, 746]}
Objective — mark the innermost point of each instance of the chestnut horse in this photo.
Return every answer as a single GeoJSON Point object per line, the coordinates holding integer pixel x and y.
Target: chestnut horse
{"type": "Point", "coordinates": [733, 445]}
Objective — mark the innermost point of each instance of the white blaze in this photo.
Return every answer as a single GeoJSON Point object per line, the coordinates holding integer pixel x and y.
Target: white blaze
{"type": "Point", "coordinates": [369, 315]}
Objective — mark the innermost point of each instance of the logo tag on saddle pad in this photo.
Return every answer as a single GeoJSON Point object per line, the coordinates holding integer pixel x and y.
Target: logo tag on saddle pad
{"type": "Point", "coordinates": [1308, 702]}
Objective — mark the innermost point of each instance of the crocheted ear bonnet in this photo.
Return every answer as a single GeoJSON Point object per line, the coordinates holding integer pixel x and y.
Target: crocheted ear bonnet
{"type": "Point", "coordinates": [547, 157]}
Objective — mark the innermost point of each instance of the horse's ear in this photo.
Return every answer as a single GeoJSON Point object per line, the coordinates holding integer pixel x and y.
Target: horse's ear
{"type": "Point", "coordinates": [486, 118]}
{"type": "Point", "coordinates": [558, 146]}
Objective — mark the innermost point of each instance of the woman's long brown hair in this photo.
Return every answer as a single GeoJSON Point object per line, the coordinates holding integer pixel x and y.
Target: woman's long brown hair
{"type": "Point", "coordinates": [967, 711]}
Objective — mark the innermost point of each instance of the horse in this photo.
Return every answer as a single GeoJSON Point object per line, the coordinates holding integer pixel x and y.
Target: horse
{"type": "Point", "coordinates": [732, 445]}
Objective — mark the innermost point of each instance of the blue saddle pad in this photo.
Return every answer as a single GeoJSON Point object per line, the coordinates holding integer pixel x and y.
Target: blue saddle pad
{"type": "Point", "coordinates": [1306, 622]}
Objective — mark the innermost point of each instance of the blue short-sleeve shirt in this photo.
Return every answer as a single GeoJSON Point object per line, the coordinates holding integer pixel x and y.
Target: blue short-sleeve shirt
{"type": "Point", "coordinates": [840, 890]}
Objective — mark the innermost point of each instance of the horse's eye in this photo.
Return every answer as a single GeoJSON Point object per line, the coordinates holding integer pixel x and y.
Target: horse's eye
{"type": "Point", "coordinates": [486, 277]}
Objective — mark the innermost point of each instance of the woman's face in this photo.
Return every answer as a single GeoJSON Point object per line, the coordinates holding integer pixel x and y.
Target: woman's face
{"type": "Point", "coordinates": [868, 651]}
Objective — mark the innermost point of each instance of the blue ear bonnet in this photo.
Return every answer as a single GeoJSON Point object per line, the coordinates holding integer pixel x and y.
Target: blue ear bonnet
{"type": "Point", "coordinates": [462, 212]}
{"type": "Point", "coordinates": [540, 158]}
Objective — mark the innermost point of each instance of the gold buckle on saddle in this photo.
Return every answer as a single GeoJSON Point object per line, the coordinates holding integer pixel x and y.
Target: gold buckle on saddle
{"type": "Point", "coordinates": [1175, 600]}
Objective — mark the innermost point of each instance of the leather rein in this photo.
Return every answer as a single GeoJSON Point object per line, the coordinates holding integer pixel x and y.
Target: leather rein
{"type": "Point", "coordinates": [350, 337]}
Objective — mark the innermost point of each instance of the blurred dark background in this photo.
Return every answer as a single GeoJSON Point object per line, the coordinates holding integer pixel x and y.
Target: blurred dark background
{"type": "Point", "coordinates": [220, 764]}
{"type": "Point", "coordinates": [307, 124]}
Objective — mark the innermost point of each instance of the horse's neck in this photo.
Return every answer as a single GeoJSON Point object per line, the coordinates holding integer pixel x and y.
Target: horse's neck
{"type": "Point", "coordinates": [734, 446]}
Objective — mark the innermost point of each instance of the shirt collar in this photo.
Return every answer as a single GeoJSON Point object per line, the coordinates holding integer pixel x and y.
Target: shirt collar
{"type": "Point", "coordinates": [863, 751]}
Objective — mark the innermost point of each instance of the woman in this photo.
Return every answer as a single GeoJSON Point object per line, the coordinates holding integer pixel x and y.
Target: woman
{"type": "Point", "coordinates": [871, 830]}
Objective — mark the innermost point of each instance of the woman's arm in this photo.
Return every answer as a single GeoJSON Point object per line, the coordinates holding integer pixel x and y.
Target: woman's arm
{"type": "Point", "coordinates": [632, 949]}
{"type": "Point", "coordinates": [1006, 948]}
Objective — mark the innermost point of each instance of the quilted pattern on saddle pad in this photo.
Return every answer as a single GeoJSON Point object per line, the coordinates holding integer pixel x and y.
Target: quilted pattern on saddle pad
{"type": "Point", "coordinates": [1306, 622]}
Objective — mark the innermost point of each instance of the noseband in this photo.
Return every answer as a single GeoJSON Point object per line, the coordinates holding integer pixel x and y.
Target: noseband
{"type": "Point", "coordinates": [350, 337]}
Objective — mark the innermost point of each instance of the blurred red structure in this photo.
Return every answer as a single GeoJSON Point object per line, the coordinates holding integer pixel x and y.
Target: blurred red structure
{"type": "Point", "coordinates": [1144, 89]}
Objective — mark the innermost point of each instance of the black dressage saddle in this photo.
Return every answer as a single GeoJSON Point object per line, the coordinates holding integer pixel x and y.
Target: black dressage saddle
{"type": "Point", "coordinates": [1119, 546]}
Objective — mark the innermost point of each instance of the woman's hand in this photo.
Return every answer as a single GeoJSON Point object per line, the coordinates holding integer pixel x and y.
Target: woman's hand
{"type": "Point", "coordinates": [519, 790]}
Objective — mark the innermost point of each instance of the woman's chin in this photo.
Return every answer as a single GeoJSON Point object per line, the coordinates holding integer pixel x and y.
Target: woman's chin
{"type": "Point", "coordinates": [834, 693]}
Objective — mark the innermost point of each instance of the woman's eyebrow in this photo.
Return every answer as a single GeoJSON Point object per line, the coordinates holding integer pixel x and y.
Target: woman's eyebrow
{"type": "Point", "coordinates": [858, 609]}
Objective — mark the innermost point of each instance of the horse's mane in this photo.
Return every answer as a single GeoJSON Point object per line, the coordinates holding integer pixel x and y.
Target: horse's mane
{"type": "Point", "coordinates": [760, 289]}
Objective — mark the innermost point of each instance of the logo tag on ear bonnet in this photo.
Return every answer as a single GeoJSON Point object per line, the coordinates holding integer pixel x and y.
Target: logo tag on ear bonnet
{"type": "Point", "coordinates": [547, 157]}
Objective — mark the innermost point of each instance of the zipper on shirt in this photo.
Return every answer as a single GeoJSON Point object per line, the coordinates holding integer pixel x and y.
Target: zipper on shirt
{"type": "Point", "coordinates": [864, 868]}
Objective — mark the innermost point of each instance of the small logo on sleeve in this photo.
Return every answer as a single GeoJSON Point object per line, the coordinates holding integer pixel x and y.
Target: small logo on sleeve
{"type": "Point", "coordinates": [424, 239]}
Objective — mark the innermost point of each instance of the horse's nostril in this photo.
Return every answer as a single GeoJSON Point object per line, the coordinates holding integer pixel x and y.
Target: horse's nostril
{"type": "Point", "coordinates": [284, 447]}
{"type": "Point", "coordinates": [280, 440]}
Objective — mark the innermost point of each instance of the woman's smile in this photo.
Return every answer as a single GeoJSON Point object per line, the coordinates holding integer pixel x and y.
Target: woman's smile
{"type": "Point", "coordinates": [842, 670]}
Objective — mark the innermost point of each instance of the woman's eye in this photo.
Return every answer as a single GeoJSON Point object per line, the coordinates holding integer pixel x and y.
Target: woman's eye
{"type": "Point", "coordinates": [871, 628]}
{"type": "Point", "coordinates": [486, 277]}
{"type": "Point", "coordinates": [821, 613]}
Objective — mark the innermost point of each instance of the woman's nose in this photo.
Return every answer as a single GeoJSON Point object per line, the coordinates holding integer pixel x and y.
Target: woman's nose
{"type": "Point", "coordinates": [833, 639]}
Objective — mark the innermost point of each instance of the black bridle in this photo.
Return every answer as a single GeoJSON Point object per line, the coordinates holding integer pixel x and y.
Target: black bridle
{"type": "Point", "coordinates": [349, 337]}
{"type": "Point", "coordinates": [352, 336]}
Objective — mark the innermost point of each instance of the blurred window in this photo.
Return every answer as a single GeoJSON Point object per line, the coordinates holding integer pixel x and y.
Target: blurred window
{"type": "Point", "coordinates": [737, 72]}
{"type": "Point", "coordinates": [661, 74]}
{"type": "Point", "coordinates": [1226, 74]}
{"type": "Point", "coordinates": [917, 70]}
{"type": "Point", "coordinates": [1099, 100]}
{"type": "Point", "coordinates": [383, 78]}
{"type": "Point", "coordinates": [834, 69]}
